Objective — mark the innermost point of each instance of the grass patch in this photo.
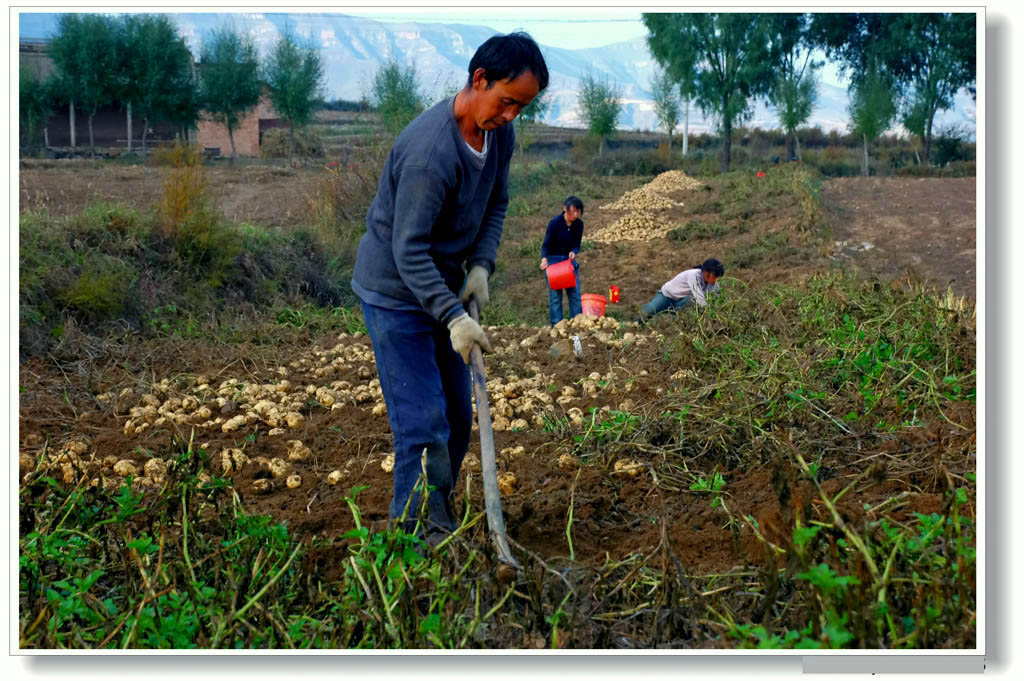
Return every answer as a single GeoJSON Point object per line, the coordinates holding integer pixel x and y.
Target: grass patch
{"type": "Point", "coordinates": [695, 230]}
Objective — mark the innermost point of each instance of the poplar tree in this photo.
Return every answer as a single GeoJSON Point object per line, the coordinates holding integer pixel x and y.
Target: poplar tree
{"type": "Point", "coordinates": [295, 76]}
{"type": "Point", "coordinates": [729, 55]}
{"type": "Point", "coordinates": [229, 80]}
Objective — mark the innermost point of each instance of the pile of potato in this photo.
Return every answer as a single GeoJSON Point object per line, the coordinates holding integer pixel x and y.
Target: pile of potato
{"type": "Point", "coordinates": [673, 181]}
{"type": "Point", "coordinates": [642, 199]}
{"type": "Point", "coordinates": [641, 224]}
{"type": "Point", "coordinates": [634, 227]}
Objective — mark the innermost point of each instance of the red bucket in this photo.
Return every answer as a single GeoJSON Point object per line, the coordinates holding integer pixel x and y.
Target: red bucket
{"type": "Point", "coordinates": [593, 304]}
{"type": "Point", "coordinates": [561, 275]}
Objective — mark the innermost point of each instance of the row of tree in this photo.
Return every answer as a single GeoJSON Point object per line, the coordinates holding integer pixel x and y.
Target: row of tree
{"type": "Point", "coordinates": [906, 65]}
{"type": "Point", "coordinates": [141, 62]}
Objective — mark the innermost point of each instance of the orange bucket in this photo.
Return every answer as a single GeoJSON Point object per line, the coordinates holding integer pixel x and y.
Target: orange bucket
{"type": "Point", "coordinates": [593, 304]}
{"type": "Point", "coordinates": [561, 275]}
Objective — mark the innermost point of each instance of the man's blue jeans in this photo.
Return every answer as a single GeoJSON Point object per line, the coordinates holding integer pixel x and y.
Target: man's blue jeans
{"type": "Point", "coordinates": [573, 294]}
{"type": "Point", "coordinates": [428, 393]}
{"type": "Point", "coordinates": [660, 303]}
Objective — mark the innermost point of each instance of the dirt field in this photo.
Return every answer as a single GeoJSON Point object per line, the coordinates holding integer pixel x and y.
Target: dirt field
{"type": "Point", "coordinates": [889, 226]}
{"type": "Point", "coordinates": [925, 223]}
{"type": "Point", "coordinates": [256, 194]}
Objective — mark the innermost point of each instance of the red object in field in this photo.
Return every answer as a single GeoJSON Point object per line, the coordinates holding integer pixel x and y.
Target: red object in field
{"type": "Point", "coordinates": [613, 294]}
{"type": "Point", "coordinates": [760, 174]}
{"type": "Point", "coordinates": [561, 275]}
{"type": "Point", "coordinates": [593, 304]}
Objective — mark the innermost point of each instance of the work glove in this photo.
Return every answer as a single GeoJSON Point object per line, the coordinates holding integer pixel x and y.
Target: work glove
{"type": "Point", "coordinates": [465, 334]}
{"type": "Point", "coordinates": [476, 285]}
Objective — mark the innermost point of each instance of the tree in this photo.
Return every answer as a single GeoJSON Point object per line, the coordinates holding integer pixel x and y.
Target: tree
{"type": "Point", "coordinates": [599, 105]}
{"type": "Point", "coordinates": [158, 80]}
{"type": "Point", "coordinates": [666, 101]}
{"type": "Point", "coordinates": [872, 107]}
{"type": "Point", "coordinates": [229, 80]}
{"type": "Point", "coordinates": [83, 56]}
{"type": "Point", "coordinates": [529, 118]}
{"type": "Point", "coordinates": [295, 76]}
{"type": "Point", "coordinates": [729, 55]}
{"type": "Point", "coordinates": [913, 119]}
{"type": "Point", "coordinates": [862, 41]}
{"type": "Point", "coordinates": [184, 106]}
{"type": "Point", "coordinates": [396, 96]}
{"type": "Point", "coordinates": [794, 97]}
{"type": "Point", "coordinates": [35, 106]}
{"type": "Point", "coordinates": [794, 90]}
{"type": "Point", "coordinates": [943, 47]}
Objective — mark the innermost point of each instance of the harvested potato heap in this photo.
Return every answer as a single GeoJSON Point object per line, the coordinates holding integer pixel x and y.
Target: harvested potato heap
{"type": "Point", "coordinates": [284, 403]}
{"type": "Point", "coordinates": [673, 181]}
{"type": "Point", "coordinates": [641, 199]}
{"type": "Point", "coordinates": [643, 204]}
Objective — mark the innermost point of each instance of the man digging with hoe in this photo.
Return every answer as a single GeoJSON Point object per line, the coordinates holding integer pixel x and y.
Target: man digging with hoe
{"type": "Point", "coordinates": [438, 213]}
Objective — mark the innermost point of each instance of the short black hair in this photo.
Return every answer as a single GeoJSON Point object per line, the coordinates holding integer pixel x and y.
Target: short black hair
{"type": "Point", "coordinates": [507, 56]}
{"type": "Point", "coordinates": [574, 202]}
{"type": "Point", "coordinates": [712, 266]}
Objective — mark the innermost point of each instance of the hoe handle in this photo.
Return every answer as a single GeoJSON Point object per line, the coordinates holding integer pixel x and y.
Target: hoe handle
{"type": "Point", "coordinates": [488, 465]}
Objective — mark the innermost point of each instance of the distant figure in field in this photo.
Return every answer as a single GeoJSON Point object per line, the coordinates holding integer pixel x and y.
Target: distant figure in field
{"type": "Point", "coordinates": [562, 242]}
{"type": "Point", "coordinates": [694, 284]}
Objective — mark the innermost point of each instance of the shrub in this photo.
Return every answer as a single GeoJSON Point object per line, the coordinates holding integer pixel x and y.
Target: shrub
{"type": "Point", "coordinates": [187, 218]}
{"type": "Point", "coordinates": [175, 155]}
{"type": "Point", "coordinates": [112, 227]}
{"type": "Point", "coordinates": [633, 162]}
{"type": "Point", "coordinates": [277, 142]}
{"type": "Point", "coordinates": [96, 294]}
{"type": "Point", "coordinates": [953, 169]}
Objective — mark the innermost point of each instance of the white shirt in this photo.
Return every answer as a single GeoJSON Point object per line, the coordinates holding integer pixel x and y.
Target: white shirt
{"type": "Point", "coordinates": [689, 283]}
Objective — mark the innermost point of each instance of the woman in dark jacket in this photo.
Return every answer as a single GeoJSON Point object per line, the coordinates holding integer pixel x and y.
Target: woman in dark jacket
{"type": "Point", "coordinates": [562, 242]}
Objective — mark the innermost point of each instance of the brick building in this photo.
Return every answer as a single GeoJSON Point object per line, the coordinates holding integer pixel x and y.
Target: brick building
{"type": "Point", "coordinates": [110, 124]}
{"type": "Point", "coordinates": [249, 133]}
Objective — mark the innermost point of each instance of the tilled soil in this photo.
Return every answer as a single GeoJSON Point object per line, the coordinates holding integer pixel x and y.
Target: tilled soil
{"type": "Point", "coordinates": [894, 226]}
{"type": "Point", "coordinates": [614, 514]}
{"type": "Point", "coordinates": [557, 465]}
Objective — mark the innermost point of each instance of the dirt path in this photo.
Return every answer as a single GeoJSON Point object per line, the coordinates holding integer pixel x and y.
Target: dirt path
{"type": "Point", "coordinates": [886, 226]}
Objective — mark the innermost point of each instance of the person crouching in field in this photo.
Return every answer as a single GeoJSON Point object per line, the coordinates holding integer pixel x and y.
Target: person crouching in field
{"type": "Point", "coordinates": [562, 242]}
{"type": "Point", "coordinates": [694, 284]}
{"type": "Point", "coordinates": [438, 213]}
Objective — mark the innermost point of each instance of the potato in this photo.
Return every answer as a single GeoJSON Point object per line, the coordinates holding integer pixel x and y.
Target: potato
{"type": "Point", "coordinates": [155, 468]}
{"type": "Point", "coordinates": [262, 486]}
{"type": "Point", "coordinates": [335, 476]}
{"type": "Point", "coordinates": [278, 467]}
{"type": "Point", "coordinates": [388, 464]}
{"type": "Point", "coordinates": [232, 460]}
{"type": "Point", "coordinates": [233, 424]}
{"type": "Point", "coordinates": [294, 481]}
{"type": "Point", "coordinates": [125, 467]}
{"type": "Point", "coordinates": [568, 462]}
{"type": "Point", "coordinates": [507, 483]}
{"type": "Point", "coordinates": [298, 451]}
{"type": "Point", "coordinates": [628, 468]}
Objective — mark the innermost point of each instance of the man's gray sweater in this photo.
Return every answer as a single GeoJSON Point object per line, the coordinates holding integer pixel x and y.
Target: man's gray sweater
{"type": "Point", "coordinates": [438, 209]}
